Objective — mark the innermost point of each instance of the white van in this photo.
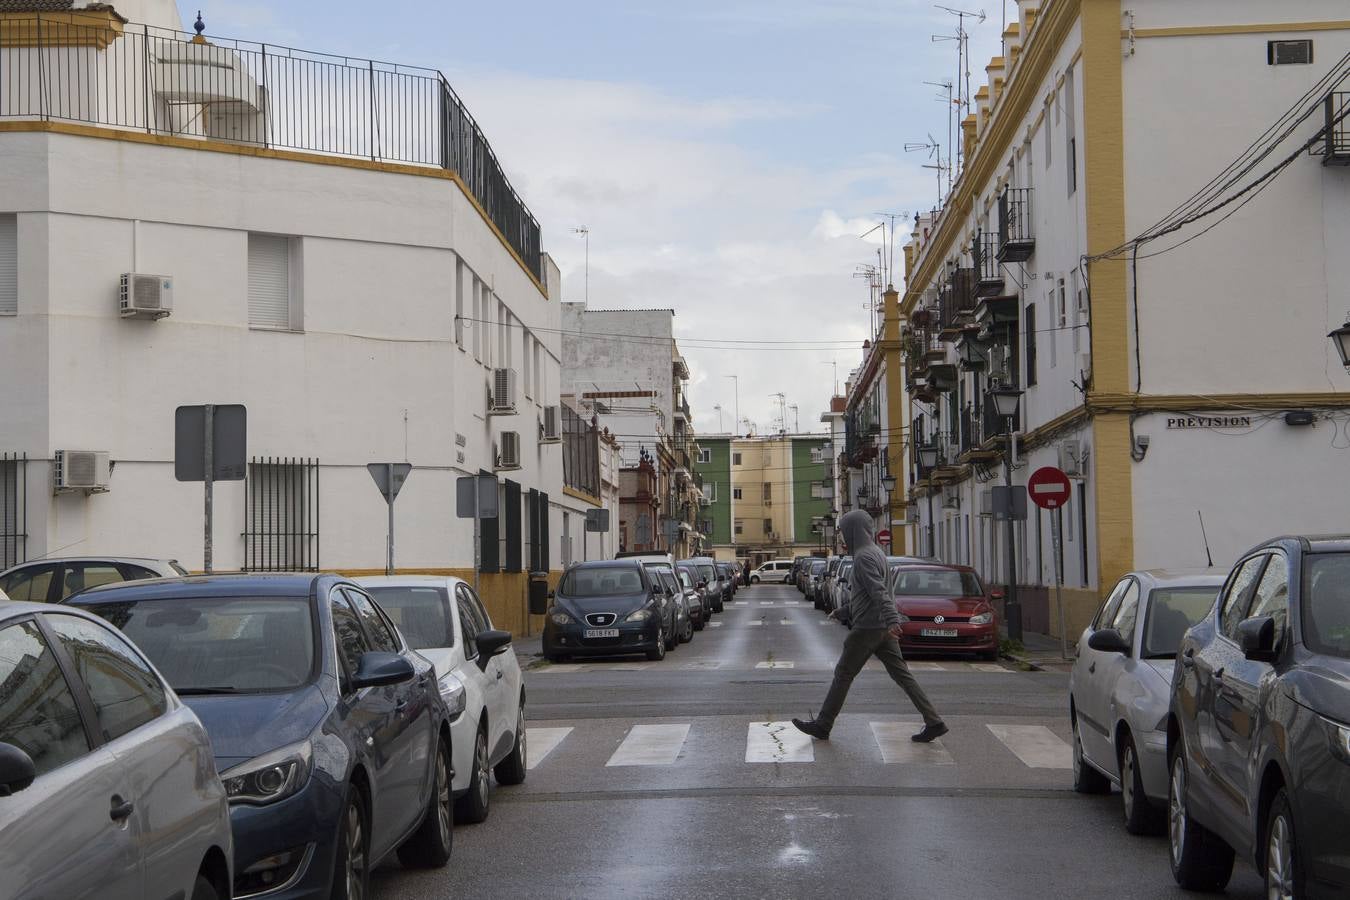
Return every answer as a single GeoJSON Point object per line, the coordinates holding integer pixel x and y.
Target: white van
{"type": "Point", "coordinates": [773, 570]}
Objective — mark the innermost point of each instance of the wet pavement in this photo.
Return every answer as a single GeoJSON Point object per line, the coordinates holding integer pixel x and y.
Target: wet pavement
{"type": "Point", "coordinates": [684, 778]}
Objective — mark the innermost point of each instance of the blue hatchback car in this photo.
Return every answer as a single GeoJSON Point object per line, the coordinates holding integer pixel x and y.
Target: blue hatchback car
{"type": "Point", "coordinates": [329, 734]}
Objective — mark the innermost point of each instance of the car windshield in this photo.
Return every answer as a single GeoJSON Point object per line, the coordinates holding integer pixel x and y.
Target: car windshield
{"type": "Point", "coordinates": [1170, 612]}
{"type": "Point", "coordinates": [1326, 603]}
{"type": "Point", "coordinates": [708, 573]}
{"type": "Point", "coordinates": [817, 567]}
{"type": "Point", "coordinates": [221, 645]}
{"type": "Point", "coordinates": [602, 581]}
{"type": "Point", "coordinates": [685, 580]}
{"type": "Point", "coordinates": [937, 583]}
{"type": "Point", "coordinates": [422, 614]}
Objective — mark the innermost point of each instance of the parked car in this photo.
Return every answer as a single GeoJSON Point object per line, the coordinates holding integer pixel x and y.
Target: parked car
{"type": "Point", "coordinates": [774, 570]}
{"type": "Point", "coordinates": [944, 609]}
{"type": "Point", "coordinates": [814, 575]}
{"type": "Point", "coordinates": [441, 618]}
{"type": "Point", "coordinates": [728, 572]}
{"type": "Point", "coordinates": [800, 564]}
{"type": "Point", "coordinates": [328, 730]}
{"type": "Point", "coordinates": [1258, 735]}
{"type": "Point", "coordinates": [1121, 684]}
{"type": "Point", "coordinates": [606, 608]}
{"type": "Point", "coordinates": [827, 586]}
{"type": "Point", "coordinates": [53, 580]}
{"type": "Point", "coordinates": [3, 596]}
{"type": "Point", "coordinates": [699, 611]}
{"type": "Point", "coordinates": [684, 620]}
{"type": "Point", "coordinates": [87, 726]}
{"type": "Point", "coordinates": [715, 594]}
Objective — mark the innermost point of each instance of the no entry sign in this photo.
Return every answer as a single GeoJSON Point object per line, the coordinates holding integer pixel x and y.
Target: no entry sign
{"type": "Point", "coordinates": [1048, 487]}
{"type": "Point", "coordinates": [884, 537]}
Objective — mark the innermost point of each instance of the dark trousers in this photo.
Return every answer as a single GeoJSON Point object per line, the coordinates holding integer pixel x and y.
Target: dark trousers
{"type": "Point", "coordinates": [860, 646]}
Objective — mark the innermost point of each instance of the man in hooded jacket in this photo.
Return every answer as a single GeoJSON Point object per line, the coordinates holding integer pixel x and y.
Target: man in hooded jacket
{"type": "Point", "coordinates": [875, 631]}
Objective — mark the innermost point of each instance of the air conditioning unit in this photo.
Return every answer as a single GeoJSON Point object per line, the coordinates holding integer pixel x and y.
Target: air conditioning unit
{"type": "Point", "coordinates": [951, 500]}
{"type": "Point", "coordinates": [508, 454]}
{"type": "Point", "coordinates": [987, 502]}
{"type": "Point", "coordinates": [502, 393]}
{"type": "Point", "coordinates": [550, 431]}
{"type": "Point", "coordinates": [1071, 458]}
{"type": "Point", "coordinates": [81, 470]}
{"type": "Point", "coordinates": [145, 296]}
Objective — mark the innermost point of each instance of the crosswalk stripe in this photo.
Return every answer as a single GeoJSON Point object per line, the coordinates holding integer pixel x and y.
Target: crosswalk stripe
{"type": "Point", "coordinates": [650, 745]}
{"type": "Point", "coordinates": [777, 742]}
{"type": "Point", "coordinates": [714, 624]}
{"type": "Point", "coordinates": [784, 621]}
{"type": "Point", "coordinates": [766, 603]}
{"type": "Point", "coordinates": [994, 668]}
{"type": "Point", "coordinates": [540, 742]}
{"type": "Point", "coordinates": [775, 664]}
{"type": "Point", "coordinates": [827, 621]}
{"type": "Point", "coordinates": [925, 666]}
{"type": "Point", "coordinates": [896, 747]}
{"type": "Point", "coordinates": [1035, 745]}
{"type": "Point", "coordinates": [563, 668]}
{"type": "Point", "coordinates": [755, 622]}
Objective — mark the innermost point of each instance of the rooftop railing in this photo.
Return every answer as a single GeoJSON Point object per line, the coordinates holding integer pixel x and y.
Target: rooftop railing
{"type": "Point", "coordinates": [166, 82]}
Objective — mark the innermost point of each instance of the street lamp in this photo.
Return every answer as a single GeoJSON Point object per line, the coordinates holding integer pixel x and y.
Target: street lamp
{"type": "Point", "coordinates": [928, 457]}
{"type": "Point", "coordinates": [1341, 338]}
{"type": "Point", "coordinates": [1005, 401]}
{"type": "Point", "coordinates": [888, 482]}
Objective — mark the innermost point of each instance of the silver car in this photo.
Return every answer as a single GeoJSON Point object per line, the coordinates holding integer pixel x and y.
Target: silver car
{"type": "Point", "coordinates": [108, 786]}
{"type": "Point", "coordinates": [54, 580]}
{"type": "Point", "coordinates": [1121, 684]}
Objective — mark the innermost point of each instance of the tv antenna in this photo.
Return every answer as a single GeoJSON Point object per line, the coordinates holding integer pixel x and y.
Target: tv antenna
{"type": "Point", "coordinates": [872, 274]}
{"type": "Point", "coordinates": [962, 39]}
{"type": "Point", "coordinates": [953, 110]}
{"type": "Point", "coordinates": [890, 243]}
{"type": "Point", "coordinates": [934, 149]}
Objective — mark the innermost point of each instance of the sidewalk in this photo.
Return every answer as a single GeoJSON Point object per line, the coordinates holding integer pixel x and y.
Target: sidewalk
{"type": "Point", "coordinates": [1041, 653]}
{"type": "Point", "coordinates": [529, 650]}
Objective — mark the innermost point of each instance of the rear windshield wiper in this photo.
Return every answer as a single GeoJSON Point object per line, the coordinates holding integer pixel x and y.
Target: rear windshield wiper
{"type": "Point", "coordinates": [196, 691]}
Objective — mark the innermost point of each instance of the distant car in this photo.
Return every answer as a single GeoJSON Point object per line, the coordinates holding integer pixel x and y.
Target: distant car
{"type": "Point", "coordinates": [774, 570]}
{"type": "Point", "coordinates": [944, 609]}
{"type": "Point", "coordinates": [699, 612]}
{"type": "Point", "coordinates": [328, 730]}
{"type": "Point", "coordinates": [840, 597]}
{"type": "Point", "coordinates": [799, 567]}
{"type": "Point", "coordinates": [53, 580]}
{"type": "Point", "coordinates": [827, 585]}
{"type": "Point", "coordinates": [728, 573]}
{"type": "Point", "coordinates": [107, 783]}
{"type": "Point", "coordinates": [606, 608]}
{"type": "Point", "coordinates": [814, 575]}
{"type": "Point", "coordinates": [1258, 734]}
{"type": "Point", "coordinates": [684, 617]}
{"type": "Point", "coordinates": [717, 583]}
{"type": "Point", "coordinates": [441, 618]}
{"type": "Point", "coordinates": [1121, 684]}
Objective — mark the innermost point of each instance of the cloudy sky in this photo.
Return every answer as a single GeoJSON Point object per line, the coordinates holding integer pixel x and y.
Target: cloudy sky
{"type": "Point", "coordinates": [726, 155]}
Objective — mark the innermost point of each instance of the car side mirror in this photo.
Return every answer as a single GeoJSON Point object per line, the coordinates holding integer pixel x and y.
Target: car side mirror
{"type": "Point", "coordinates": [1256, 636]}
{"type": "Point", "coordinates": [1109, 640]}
{"type": "Point", "coordinates": [490, 644]}
{"type": "Point", "coordinates": [996, 594]}
{"type": "Point", "coordinates": [377, 668]}
{"type": "Point", "coordinates": [16, 770]}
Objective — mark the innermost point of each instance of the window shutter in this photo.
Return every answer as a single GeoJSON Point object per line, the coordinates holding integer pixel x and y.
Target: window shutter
{"type": "Point", "coordinates": [543, 532]}
{"type": "Point", "coordinates": [9, 265]}
{"type": "Point", "coordinates": [511, 512]}
{"type": "Point", "coordinates": [533, 499]}
{"type": "Point", "coordinates": [269, 281]}
{"type": "Point", "coordinates": [489, 541]}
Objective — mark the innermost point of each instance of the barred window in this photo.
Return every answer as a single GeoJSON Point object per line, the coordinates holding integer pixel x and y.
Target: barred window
{"type": "Point", "coordinates": [281, 517]}
{"type": "Point", "coordinates": [13, 510]}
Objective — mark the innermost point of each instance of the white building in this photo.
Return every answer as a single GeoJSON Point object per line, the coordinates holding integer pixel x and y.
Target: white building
{"type": "Point", "coordinates": [1162, 380]}
{"type": "Point", "coordinates": [362, 285]}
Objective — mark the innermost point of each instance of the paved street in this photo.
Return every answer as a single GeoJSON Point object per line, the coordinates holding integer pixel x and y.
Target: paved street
{"type": "Point", "coordinates": [684, 779]}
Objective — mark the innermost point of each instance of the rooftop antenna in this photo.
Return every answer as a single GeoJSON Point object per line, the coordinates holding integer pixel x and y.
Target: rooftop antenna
{"type": "Point", "coordinates": [890, 243]}
{"type": "Point", "coordinates": [782, 410]}
{"type": "Point", "coordinates": [586, 233]}
{"type": "Point", "coordinates": [962, 39]}
{"type": "Point", "coordinates": [953, 110]}
{"type": "Point", "coordinates": [873, 276]}
{"type": "Point", "coordinates": [796, 419]}
{"type": "Point", "coordinates": [934, 149]}
{"type": "Point", "coordinates": [835, 364]}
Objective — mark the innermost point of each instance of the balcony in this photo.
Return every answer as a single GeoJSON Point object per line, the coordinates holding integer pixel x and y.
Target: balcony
{"type": "Point", "coordinates": [1016, 242]}
{"type": "Point", "coordinates": [988, 272]}
{"type": "Point", "coordinates": [1337, 152]}
{"type": "Point", "coordinates": [956, 303]}
{"type": "Point", "coordinates": [682, 408]}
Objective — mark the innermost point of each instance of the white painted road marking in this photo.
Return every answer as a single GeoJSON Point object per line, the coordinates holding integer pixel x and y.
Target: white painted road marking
{"type": "Point", "coordinates": [755, 622]}
{"type": "Point", "coordinates": [924, 667]}
{"type": "Point", "coordinates": [896, 747]}
{"type": "Point", "coordinates": [650, 745]}
{"type": "Point", "coordinates": [774, 664]}
{"type": "Point", "coordinates": [540, 742]}
{"type": "Point", "coordinates": [714, 624]}
{"type": "Point", "coordinates": [827, 621]}
{"type": "Point", "coordinates": [766, 603]}
{"type": "Point", "coordinates": [565, 669]}
{"type": "Point", "coordinates": [1035, 745]}
{"type": "Point", "coordinates": [784, 621]}
{"type": "Point", "coordinates": [990, 667]}
{"type": "Point", "coordinates": [777, 742]}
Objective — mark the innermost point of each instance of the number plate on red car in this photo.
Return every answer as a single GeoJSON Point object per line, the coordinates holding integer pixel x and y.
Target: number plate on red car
{"type": "Point", "coordinates": [938, 632]}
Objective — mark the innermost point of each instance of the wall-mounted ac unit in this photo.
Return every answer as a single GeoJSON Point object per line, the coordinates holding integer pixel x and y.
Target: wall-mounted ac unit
{"type": "Point", "coordinates": [145, 296]}
{"type": "Point", "coordinates": [502, 393]}
{"type": "Point", "coordinates": [1071, 457]}
{"type": "Point", "coordinates": [508, 454]}
{"type": "Point", "coordinates": [81, 470]}
{"type": "Point", "coordinates": [951, 500]}
{"type": "Point", "coordinates": [550, 432]}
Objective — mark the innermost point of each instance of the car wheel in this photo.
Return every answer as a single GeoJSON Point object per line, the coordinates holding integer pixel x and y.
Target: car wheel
{"type": "Point", "coordinates": [1141, 816]}
{"type": "Point", "coordinates": [351, 866]}
{"type": "Point", "coordinates": [512, 769]}
{"type": "Point", "coordinates": [1086, 780]}
{"type": "Point", "coordinates": [430, 845]}
{"type": "Point", "coordinates": [203, 889]}
{"type": "Point", "coordinates": [754, 579]}
{"type": "Point", "coordinates": [698, 626]}
{"type": "Point", "coordinates": [1284, 866]}
{"type": "Point", "coordinates": [658, 651]}
{"type": "Point", "coordinates": [1200, 860]}
{"type": "Point", "coordinates": [672, 637]}
{"type": "Point", "coordinates": [688, 634]}
{"type": "Point", "coordinates": [473, 806]}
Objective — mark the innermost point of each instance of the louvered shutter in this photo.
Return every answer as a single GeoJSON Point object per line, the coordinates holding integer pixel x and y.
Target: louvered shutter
{"type": "Point", "coordinates": [9, 265]}
{"type": "Point", "coordinates": [269, 281]}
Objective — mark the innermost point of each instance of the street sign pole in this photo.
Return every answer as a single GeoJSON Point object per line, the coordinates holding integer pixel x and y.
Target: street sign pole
{"type": "Point", "coordinates": [389, 564]}
{"type": "Point", "coordinates": [477, 531]}
{"type": "Point", "coordinates": [209, 468]}
{"type": "Point", "coordinates": [1059, 581]}
{"type": "Point", "coordinates": [1049, 489]}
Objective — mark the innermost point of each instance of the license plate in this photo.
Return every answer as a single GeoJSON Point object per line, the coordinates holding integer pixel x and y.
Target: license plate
{"type": "Point", "coordinates": [611, 632]}
{"type": "Point", "coordinates": [938, 632]}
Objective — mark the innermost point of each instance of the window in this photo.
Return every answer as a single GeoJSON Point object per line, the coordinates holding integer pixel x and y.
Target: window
{"type": "Point", "coordinates": [710, 491]}
{"type": "Point", "coordinates": [740, 526]}
{"type": "Point", "coordinates": [1049, 101]}
{"type": "Point", "coordinates": [479, 323]}
{"type": "Point", "coordinates": [381, 636]}
{"type": "Point", "coordinates": [481, 617]}
{"type": "Point", "coordinates": [1289, 53]}
{"type": "Point", "coordinates": [459, 303]}
{"type": "Point", "coordinates": [351, 643]}
{"type": "Point", "coordinates": [1108, 611]}
{"type": "Point", "coordinates": [768, 491]}
{"type": "Point", "coordinates": [37, 709]}
{"type": "Point", "coordinates": [705, 455]}
{"type": "Point", "coordinates": [1272, 595]}
{"type": "Point", "coordinates": [126, 692]}
{"type": "Point", "coordinates": [735, 493]}
{"type": "Point", "coordinates": [1128, 612]}
{"type": "Point", "coordinates": [1071, 139]}
{"type": "Point", "coordinates": [735, 459]}
{"type": "Point", "coordinates": [13, 509]}
{"type": "Point", "coordinates": [468, 622]}
{"type": "Point", "coordinates": [78, 576]}
{"type": "Point", "coordinates": [538, 372]}
{"type": "Point", "coordinates": [526, 361]}
{"type": "Point", "coordinates": [768, 526]}
{"type": "Point", "coordinates": [273, 298]}
{"type": "Point", "coordinates": [1062, 318]}
{"type": "Point", "coordinates": [29, 584]}
{"type": "Point", "coordinates": [9, 265]}
{"type": "Point", "coordinates": [1031, 344]}
{"type": "Point", "coordinates": [281, 518]}
{"type": "Point", "coordinates": [1238, 594]}
{"type": "Point", "coordinates": [422, 614]}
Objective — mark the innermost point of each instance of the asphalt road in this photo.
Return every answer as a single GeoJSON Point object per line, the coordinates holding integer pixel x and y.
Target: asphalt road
{"type": "Point", "coordinates": [683, 779]}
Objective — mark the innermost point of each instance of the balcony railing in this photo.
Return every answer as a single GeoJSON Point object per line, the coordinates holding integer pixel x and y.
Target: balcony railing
{"type": "Point", "coordinates": [988, 272]}
{"type": "Point", "coordinates": [957, 299]}
{"type": "Point", "coordinates": [160, 81]}
{"type": "Point", "coordinates": [1016, 242]}
{"type": "Point", "coordinates": [1337, 129]}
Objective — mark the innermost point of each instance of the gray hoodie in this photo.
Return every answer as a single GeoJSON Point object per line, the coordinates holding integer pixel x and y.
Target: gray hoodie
{"type": "Point", "coordinates": [870, 602]}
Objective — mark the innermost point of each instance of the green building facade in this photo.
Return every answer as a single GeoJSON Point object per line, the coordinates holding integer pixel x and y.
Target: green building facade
{"type": "Point", "coordinates": [810, 496]}
{"type": "Point", "coordinates": [714, 466]}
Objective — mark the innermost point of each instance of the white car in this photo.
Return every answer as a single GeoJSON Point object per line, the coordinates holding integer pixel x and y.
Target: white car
{"type": "Point", "coordinates": [773, 570]}
{"type": "Point", "coordinates": [54, 580]}
{"type": "Point", "coordinates": [441, 618]}
{"type": "Point", "coordinates": [1121, 685]}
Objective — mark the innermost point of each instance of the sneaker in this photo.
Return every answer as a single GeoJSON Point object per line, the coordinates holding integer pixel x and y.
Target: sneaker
{"type": "Point", "coordinates": [813, 728]}
{"type": "Point", "coordinates": [929, 733]}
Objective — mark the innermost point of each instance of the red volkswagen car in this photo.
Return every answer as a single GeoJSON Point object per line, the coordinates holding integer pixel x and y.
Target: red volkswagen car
{"type": "Point", "coordinates": [944, 609]}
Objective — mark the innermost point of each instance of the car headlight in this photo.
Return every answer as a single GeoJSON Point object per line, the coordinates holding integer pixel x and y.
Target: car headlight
{"type": "Point", "coordinates": [561, 618]}
{"type": "Point", "coordinates": [983, 618]}
{"type": "Point", "coordinates": [639, 615]}
{"type": "Point", "coordinates": [452, 692]}
{"type": "Point", "coordinates": [1339, 735]}
{"type": "Point", "coordinates": [270, 777]}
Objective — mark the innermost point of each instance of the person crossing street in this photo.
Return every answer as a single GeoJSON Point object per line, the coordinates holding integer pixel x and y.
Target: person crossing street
{"type": "Point", "coordinates": [874, 631]}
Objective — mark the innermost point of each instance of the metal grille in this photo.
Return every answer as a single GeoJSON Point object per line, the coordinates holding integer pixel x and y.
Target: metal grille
{"type": "Point", "coordinates": [161, 81]}
{"type": "Point", "coordinates": [1338, 126]}
{"type": "Point", "coordinates": [13, 509]}
{"type": "Point", "coordinates": [282, 515]}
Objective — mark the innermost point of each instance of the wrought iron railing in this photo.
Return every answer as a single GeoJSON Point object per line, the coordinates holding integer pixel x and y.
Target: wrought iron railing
{"type": "Point", "coordinates": [1338, 125]}
{"type": "Point", "coordinates": [957, 297]}
{"type": "Point", "coordinates": [1014, 219]}
{"type": "Point", "coordinates": [281, 515]}
{"type": "Point", "coordinates": [984, 251]}
{"type": "Point", "coordinates": [13, 509]}
{"type": "Point", "coordinates": [164, 82]}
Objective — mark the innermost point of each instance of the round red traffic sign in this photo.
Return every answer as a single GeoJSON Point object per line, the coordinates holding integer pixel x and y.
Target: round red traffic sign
{"type": "Point", "coordinates": [884, 537]}
{"type": "Point", "coordinates": [1048, 488]}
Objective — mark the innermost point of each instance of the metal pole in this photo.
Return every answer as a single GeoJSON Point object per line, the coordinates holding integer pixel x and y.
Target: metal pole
{"type": "Point", "coordinates": [931, 548]}
{"type": "Point", "coordinates": [1059, 584]}
{"type": "Point", "coordinates": [210, 483]}
{"type": "Point", "coordinates": [477, 538]}
{"type": "Point", "coordinates": [1012, 608]}
{"type": "Point", "coordinates": [389, 475]}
